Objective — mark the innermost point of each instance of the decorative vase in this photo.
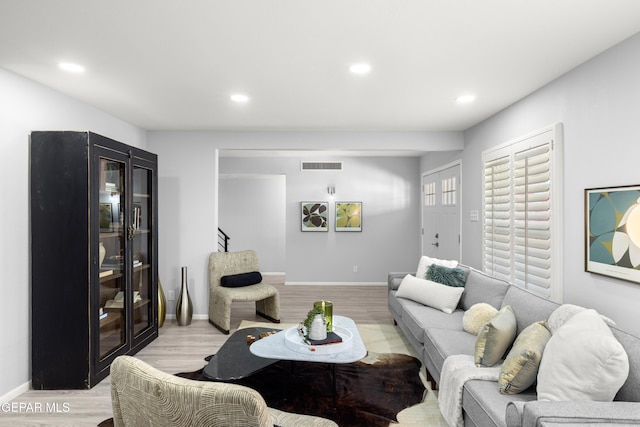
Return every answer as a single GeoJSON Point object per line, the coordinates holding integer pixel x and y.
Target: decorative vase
{"type": "Point", "coordinates": [318, 329]}
{"type": "Point", "coordinates": [103, 253]}
{"type": "Point", "coordinates": [327, 309]}
{"type": "Point", "coordinates": [184, 308]}
{"type": "Point", "coordinates": [162, 305]}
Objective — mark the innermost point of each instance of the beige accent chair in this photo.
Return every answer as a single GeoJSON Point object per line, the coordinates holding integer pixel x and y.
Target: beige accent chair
{"type": "Point", "coordinates": [220, 298]}
{"type": "Point", "coordinates": [141, 395]}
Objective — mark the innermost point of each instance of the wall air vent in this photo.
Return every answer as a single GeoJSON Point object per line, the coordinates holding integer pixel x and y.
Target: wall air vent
{"type": "Point", "coordinates": [321, 166]}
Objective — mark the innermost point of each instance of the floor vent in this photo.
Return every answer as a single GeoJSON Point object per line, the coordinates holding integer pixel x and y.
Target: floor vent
{"type": "Point", "coordinates": [321, 166]}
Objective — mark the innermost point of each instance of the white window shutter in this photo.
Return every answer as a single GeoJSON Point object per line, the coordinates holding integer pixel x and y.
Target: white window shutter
{"type": "Point", "coordinates": [519, 216]}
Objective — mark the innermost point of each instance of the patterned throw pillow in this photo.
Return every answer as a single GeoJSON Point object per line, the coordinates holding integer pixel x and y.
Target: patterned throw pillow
{"type": "Point", "coordinates": [447, 276]}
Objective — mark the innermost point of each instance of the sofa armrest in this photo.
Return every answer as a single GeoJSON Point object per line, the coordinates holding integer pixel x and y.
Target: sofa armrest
{"type": "Point", "coordinates": [394, 279]}
{"type": "Point", "coordinates": [538, 413]}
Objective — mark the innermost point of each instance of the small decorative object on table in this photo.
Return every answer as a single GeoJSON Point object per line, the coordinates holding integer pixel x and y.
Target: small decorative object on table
{"type": "Point", "coordinates": [327, 310]}
{"type": "Point", "coordinates": [251, 339]}
{"type": "Point", "coordinates": [318, 328]}
{"type": "Point", "coordinates": [314, 330]}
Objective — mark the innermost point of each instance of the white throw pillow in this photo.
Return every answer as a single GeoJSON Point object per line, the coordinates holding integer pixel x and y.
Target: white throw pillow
{"type": "Point", "coordinates": [582, 361]}
{"type": "Point", "coordinates": [426, 261]}
{"type": "Point", "coordinates": [476, 317]}
{"type": "Point", "coordinates": [565, 312]}
{"type": "Point", "coordinates": [442, 297]}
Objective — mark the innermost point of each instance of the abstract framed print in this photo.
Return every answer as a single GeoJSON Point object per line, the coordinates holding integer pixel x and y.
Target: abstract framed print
{"type": "Point", "coordinates": [612, 229]}
{"type": "Point", "coordinates": [348, 216]}
{"type": "Point", "coordinates": [314, 216]}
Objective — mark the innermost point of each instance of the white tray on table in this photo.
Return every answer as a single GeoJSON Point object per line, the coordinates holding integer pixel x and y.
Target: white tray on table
{"type": "Point", "coordinates": [295, 342]}
{"type": "Point", "coordinates": [278, 346]}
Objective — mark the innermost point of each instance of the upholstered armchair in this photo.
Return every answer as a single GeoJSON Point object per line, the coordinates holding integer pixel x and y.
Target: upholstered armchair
{"type": "Point", "coordinates": [223, 264]}
{"type": "Point", "coordinates": [142, 395]}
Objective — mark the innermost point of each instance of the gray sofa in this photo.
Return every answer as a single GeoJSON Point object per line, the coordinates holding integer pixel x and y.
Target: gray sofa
{"type": "Point", "coordinates": [435, 335]}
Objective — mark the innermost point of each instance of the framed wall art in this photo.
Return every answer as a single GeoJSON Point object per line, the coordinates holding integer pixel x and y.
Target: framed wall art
{"type": "Point", "coordinates": [314, 216]}
{"type": "Point", "coordinates": [348, 216]}
{"type": "Point", "coordinates": [612, 229]}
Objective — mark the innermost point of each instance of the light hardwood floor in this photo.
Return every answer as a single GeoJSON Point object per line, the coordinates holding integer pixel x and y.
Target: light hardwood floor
{"type": "Point", "coordinates": [183, 349]}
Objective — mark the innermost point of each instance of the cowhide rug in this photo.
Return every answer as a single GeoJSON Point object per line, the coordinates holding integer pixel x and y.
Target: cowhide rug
{"type": "Point", "coordinates": [369, 392]}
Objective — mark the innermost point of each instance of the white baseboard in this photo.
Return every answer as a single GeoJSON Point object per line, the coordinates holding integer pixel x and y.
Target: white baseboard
{"type": "Point", "coordinates": [273, 277]}
{"type": "Point", "coordinates": [195, 317]}
{"type": "Point", "coordinates": [14, 393]}
{"type": "Point", "coordinates": [336, 283]}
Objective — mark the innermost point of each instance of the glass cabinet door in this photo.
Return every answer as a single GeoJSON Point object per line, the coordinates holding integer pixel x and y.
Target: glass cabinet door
{"type": "Point", "coordinates": [142, 250]}
{"type": "Point", "coordinates": [112, 273]}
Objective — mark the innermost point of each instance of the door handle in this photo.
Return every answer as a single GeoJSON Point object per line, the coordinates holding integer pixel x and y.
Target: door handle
{"type": "Point", "coordinates": [435, 244]}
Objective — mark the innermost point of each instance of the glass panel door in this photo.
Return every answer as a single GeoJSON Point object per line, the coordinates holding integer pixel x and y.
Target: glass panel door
{"type": "Point", "coordinates": [142, 250]}
{"type": "Point", "coordinates": [112, 273]}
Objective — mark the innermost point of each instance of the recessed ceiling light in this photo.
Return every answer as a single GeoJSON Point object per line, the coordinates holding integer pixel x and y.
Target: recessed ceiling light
{"type": "Point", "coordinates": [360, 68]}
{"type": "Point", "coordinates": [72, 68]}
{"type": "Point", "coordinates": [239, 98]}
{"type": "Point", "coordinates": [465, 99]}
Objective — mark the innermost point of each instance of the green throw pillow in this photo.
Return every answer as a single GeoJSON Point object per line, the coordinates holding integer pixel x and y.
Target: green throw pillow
{"type": "Point", "coordinates": [495, 338]}
{"type": "Point", "coordinates": [447, 276]}
{"type": "Point", "coordinates": [520, 367]}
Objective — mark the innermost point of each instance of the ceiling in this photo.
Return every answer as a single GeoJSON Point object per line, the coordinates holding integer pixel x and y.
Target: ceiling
{"type": "Point", "coordinates": [172, 65]}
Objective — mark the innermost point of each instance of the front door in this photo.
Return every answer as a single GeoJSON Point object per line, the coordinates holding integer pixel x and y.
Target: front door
{"type": "Point", "coordinates": [441, 213]}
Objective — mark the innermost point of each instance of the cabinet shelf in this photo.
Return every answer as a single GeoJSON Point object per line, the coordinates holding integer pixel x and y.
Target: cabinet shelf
{"type": "Point", "coordinates": [136, 306]}
{"type": "Point", "coordinates": [116, 274]}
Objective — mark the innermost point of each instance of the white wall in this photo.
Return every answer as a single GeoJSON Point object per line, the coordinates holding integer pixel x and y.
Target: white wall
{"type": "Point", "coordinates": [27, 106]}
{"type": "Point", "coordinates": [388, 188]}
{"type": "Point", "coordinates": [187, 217]}
{"type": "Point", "coordinates": [599, 105]}
{"type": "Point", "coordinates": [251, 208]}
{"type": "Point", "coordinates": [188, 181]}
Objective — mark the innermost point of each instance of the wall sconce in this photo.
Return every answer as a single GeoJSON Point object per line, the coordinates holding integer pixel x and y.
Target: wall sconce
{"type": "Point", "coordinates": [331, 190]}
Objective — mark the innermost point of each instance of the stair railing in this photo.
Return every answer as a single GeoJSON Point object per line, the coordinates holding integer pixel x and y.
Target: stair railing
{"type": "Point", "coordinates": [223, 241]}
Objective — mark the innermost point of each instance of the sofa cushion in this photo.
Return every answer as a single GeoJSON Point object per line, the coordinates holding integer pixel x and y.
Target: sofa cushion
{"type": "Point", "coordinates": [480, 287]}
{"type": "Point", "coordinates": [447, 276]}
{"type": "Point", "coordinates": [484, 406]}
{"type": "Point", "coordinates": [442, 343]}
{"type": "Point", "coordinates": [495, 337]}
{"type": "Point", "coordinates": [419, 317]}
{"type": "Point", "coordinates": [430, 293]}
{"type": "Point", "coordinates": [520, 367]}
{"type": "Point", "coordinates": [582, 361]}
{"type": "Point", "coordinates": [425, 262]}
{"type": "Point", "coordinates": [528, 307]}
{"type": "Point", "coordinates": [477, 316]}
